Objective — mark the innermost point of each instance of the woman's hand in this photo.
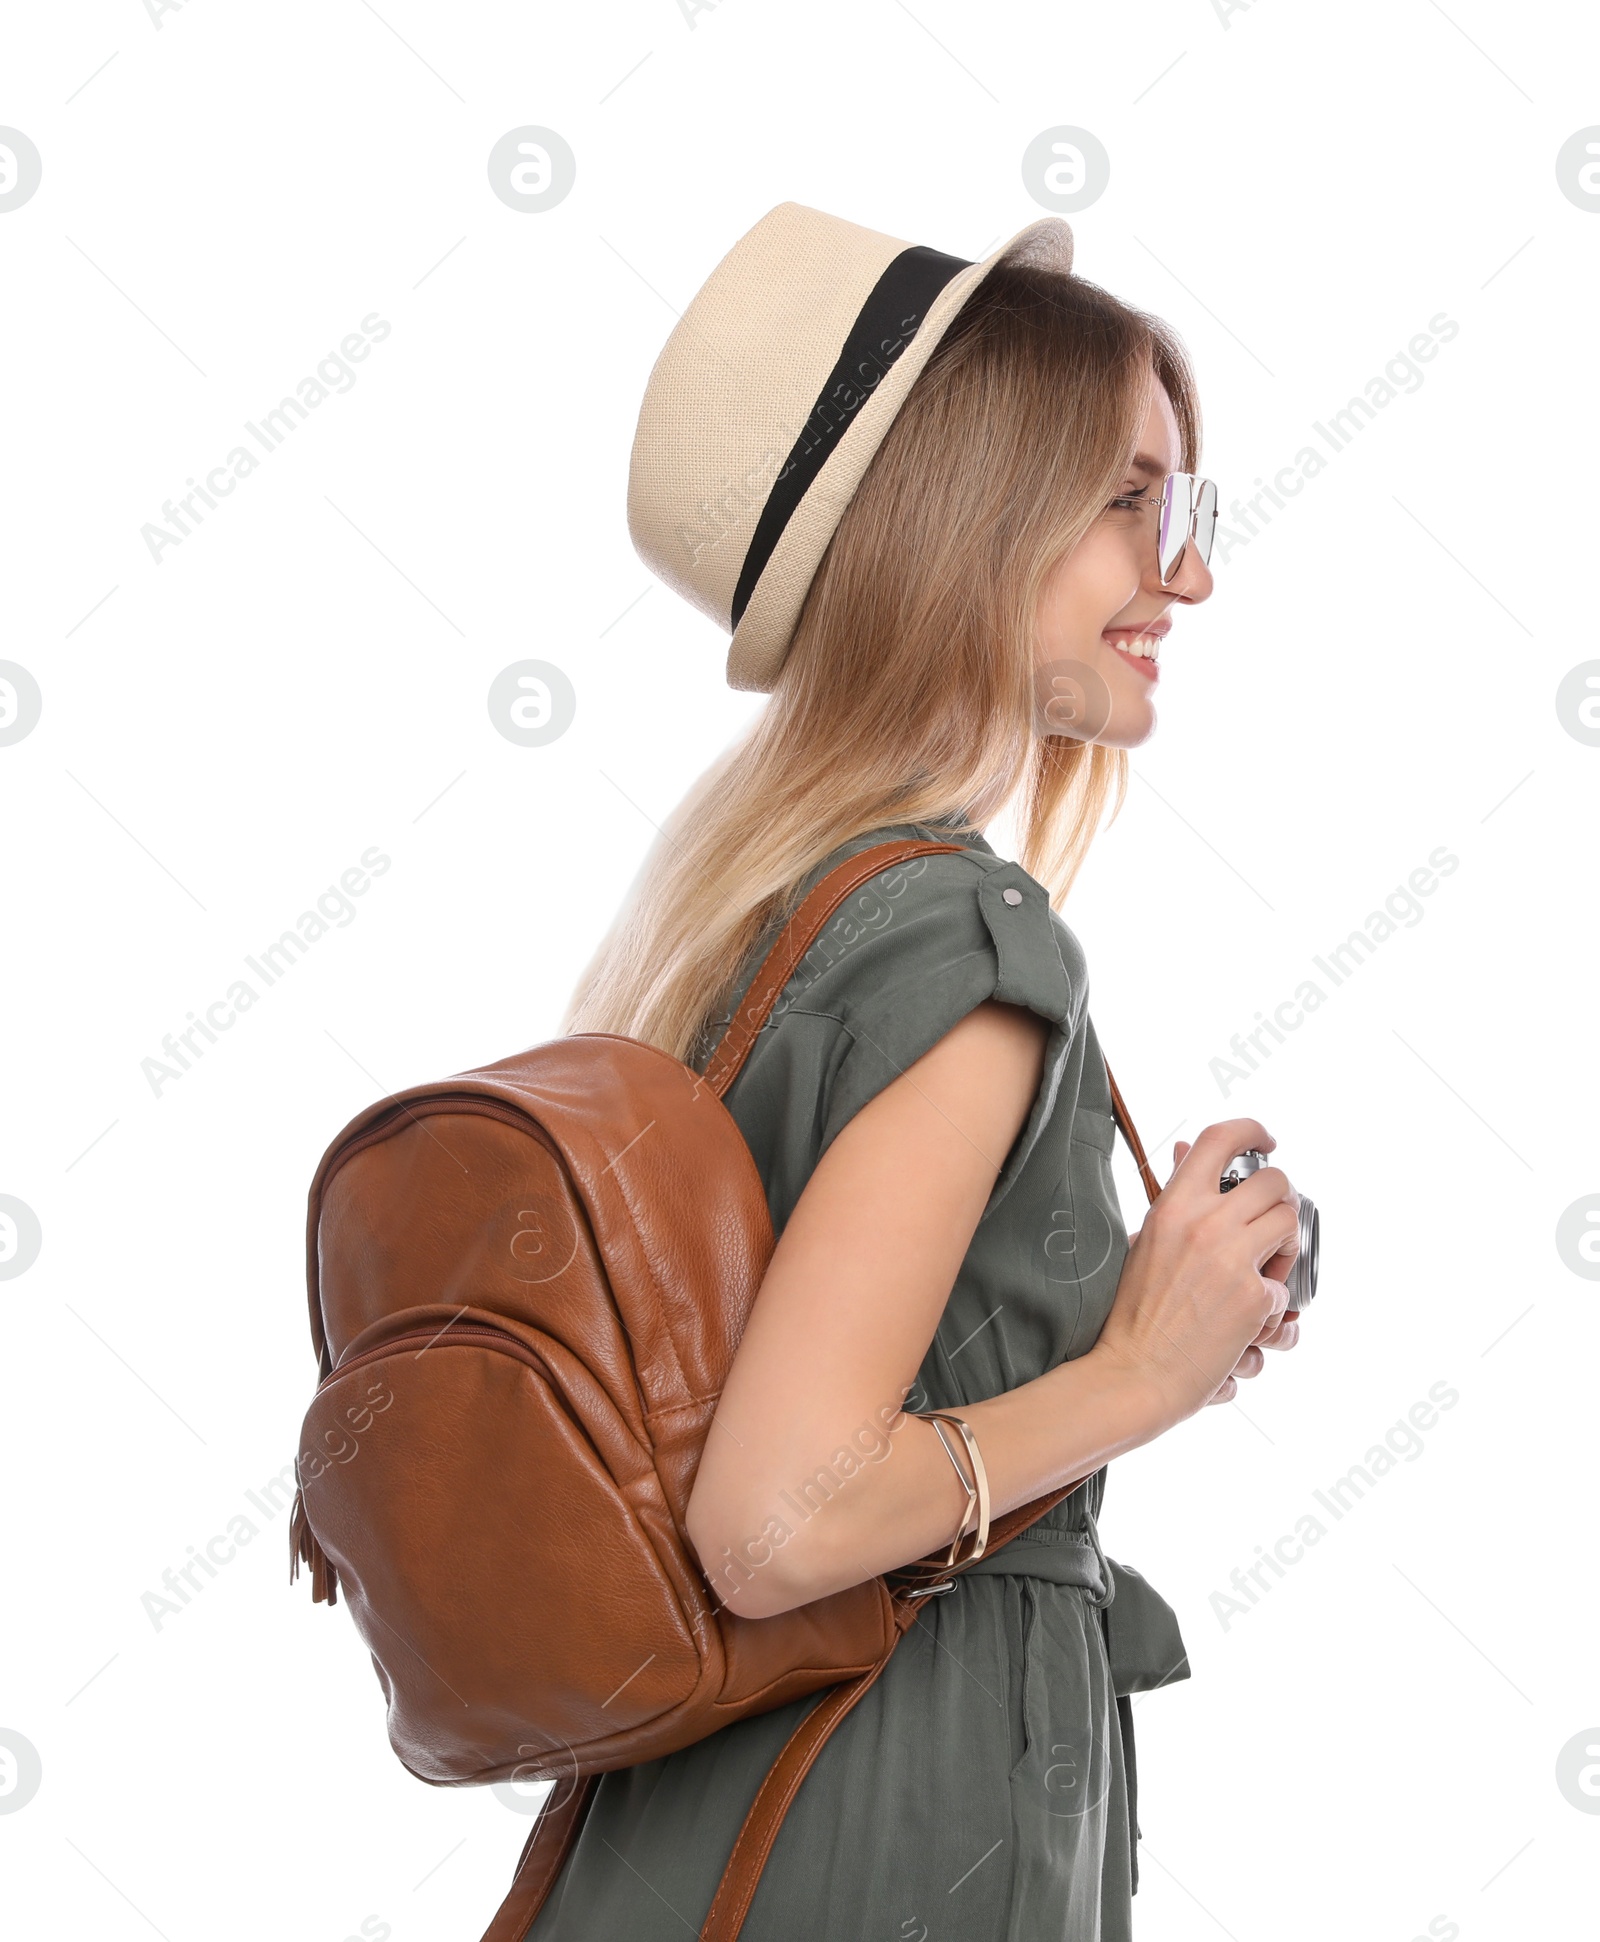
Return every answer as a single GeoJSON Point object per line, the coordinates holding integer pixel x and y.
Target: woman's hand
{"type": "Point", "coordinates": [1202, 1290]}
{"type": "Point", "coordinates": [1282, 1334]}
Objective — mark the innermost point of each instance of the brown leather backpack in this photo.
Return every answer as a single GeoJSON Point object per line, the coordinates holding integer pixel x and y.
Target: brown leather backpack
{"type": "Point", "coordinates": [527, 1285]}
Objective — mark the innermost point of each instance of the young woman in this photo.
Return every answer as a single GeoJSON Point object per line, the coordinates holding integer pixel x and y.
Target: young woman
{"type": "Point", "coordinates": [971, 601]}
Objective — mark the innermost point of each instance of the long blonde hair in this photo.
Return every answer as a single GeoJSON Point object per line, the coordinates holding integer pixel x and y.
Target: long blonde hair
{"type": "Point", "coordinates": [908, 691]}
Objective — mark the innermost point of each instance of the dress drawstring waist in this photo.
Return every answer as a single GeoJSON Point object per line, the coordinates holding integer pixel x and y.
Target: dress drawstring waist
{"type": "Point", "coordinates": [1060, 1557]}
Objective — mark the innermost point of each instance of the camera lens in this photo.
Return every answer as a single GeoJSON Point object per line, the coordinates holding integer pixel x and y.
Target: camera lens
{"type": "Point", "coordinates": [1302, 1282]}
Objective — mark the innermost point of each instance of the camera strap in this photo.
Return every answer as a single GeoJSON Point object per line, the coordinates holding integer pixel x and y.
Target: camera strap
{"type": "Point", "coordinates": [1131, 1135]}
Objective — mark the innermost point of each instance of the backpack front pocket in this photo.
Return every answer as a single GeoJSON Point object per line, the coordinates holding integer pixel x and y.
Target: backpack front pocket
{"type": "Point", "coordinates": [507, 1545]}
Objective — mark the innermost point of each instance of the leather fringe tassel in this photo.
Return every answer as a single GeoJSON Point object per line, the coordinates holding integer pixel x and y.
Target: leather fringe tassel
{"type": "Point", "coordinates": [305, 1550]}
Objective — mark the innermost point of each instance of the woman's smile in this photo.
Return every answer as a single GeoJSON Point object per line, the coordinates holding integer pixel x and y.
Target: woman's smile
{"type": "Point", "coordinates": [1140, 646]}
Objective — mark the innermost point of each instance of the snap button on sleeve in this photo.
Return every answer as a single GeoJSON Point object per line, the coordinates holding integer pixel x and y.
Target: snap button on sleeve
{"type": "Point", "coordinates": [1031, 968]}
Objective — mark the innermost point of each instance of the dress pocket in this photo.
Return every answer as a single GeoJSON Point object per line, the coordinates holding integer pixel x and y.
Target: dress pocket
{"type": "Point", "coordinates": [1022, 1599]}
{"type": "Point", "coordinates": [1093, 1128]}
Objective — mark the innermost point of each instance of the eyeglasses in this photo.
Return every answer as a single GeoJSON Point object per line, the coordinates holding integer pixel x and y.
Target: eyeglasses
{"type": "Point", "coordinates": [1188, 512]}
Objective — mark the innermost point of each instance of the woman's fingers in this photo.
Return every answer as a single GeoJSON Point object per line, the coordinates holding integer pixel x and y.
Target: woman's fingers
{"type": "Point", "coordinates": [1219, 1142]}
{"type": "Point", "coordinates": [1281, 1334]}
{"type": "Point", "coordinates": [1192, 1293]}
{"type": "Point", "coordinates": [1249, 1364]}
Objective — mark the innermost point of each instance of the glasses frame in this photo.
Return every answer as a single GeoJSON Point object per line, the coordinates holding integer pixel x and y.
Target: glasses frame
{"type": "Point", "coordinates": [1195, 491]}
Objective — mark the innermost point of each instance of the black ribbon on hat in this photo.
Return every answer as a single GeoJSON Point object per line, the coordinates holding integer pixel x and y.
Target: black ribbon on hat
{"type": "Point", "coordinates": [884, 325]}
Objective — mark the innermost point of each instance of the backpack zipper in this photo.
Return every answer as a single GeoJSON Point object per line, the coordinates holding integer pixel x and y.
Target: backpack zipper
{"type": "Point", "coordinates": [438, 1103]}
{"type": "Point", "coordinates": [468, 1332]}
{"type": "Point", "coordinates": [433, 1103]}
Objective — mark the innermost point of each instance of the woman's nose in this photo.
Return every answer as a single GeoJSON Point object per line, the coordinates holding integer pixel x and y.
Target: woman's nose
{"type": "Point", "coordinates": [1192, 582]}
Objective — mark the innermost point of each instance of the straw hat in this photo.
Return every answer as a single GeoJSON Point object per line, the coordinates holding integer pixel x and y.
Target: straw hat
{"type": "Point", "coordinates": [769, 399]}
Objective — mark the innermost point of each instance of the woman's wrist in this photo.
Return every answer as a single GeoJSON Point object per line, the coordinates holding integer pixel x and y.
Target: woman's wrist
{"type": "Point", "coordinates": [1115, 1400]}
{"type": "Point", "coordinates": [1065, 1425]}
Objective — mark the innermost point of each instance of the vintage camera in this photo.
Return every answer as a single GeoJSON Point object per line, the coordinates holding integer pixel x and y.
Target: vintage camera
{"type": "Point", "coordinates": [1302, 1279]}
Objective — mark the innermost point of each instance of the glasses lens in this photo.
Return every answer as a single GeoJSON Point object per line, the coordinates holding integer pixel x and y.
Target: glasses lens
{"type": "Point", "coordinates": [1177, 504]}
{"type": "Point", "coordinates": [1205, 518]}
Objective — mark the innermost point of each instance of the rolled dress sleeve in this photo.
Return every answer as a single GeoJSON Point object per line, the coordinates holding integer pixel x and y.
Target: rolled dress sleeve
{"type": "Point", "coordinates": [898, 966]}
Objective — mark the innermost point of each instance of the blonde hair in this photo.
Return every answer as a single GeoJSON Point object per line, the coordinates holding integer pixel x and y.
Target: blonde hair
{"type": "Point", "coordinates": [908, 691]}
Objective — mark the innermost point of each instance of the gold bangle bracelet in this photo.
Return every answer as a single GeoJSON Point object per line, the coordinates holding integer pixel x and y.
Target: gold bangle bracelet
{"type": "Point", "coordinates": [977, 1491]}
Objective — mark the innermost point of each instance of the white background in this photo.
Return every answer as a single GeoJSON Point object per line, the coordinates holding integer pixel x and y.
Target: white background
{"type": "Point", "coordinates": [226, 193]}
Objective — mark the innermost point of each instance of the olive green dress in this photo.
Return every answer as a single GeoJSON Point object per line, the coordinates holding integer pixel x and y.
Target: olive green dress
{"type": "Point", "coordinates": [985, 1787]}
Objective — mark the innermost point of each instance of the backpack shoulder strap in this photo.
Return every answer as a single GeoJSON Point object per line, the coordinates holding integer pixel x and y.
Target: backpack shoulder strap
{"type": "Point", "coordinates": [791, 945]}
{"type": "Point", "coordinates": [554, 1835]}
{"type": "Point", "coordinates": [742, 1876]}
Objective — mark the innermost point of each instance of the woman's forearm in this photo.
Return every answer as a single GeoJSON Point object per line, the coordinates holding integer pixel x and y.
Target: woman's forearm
{"type": "Point", "coordinates": [883, 1499]}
